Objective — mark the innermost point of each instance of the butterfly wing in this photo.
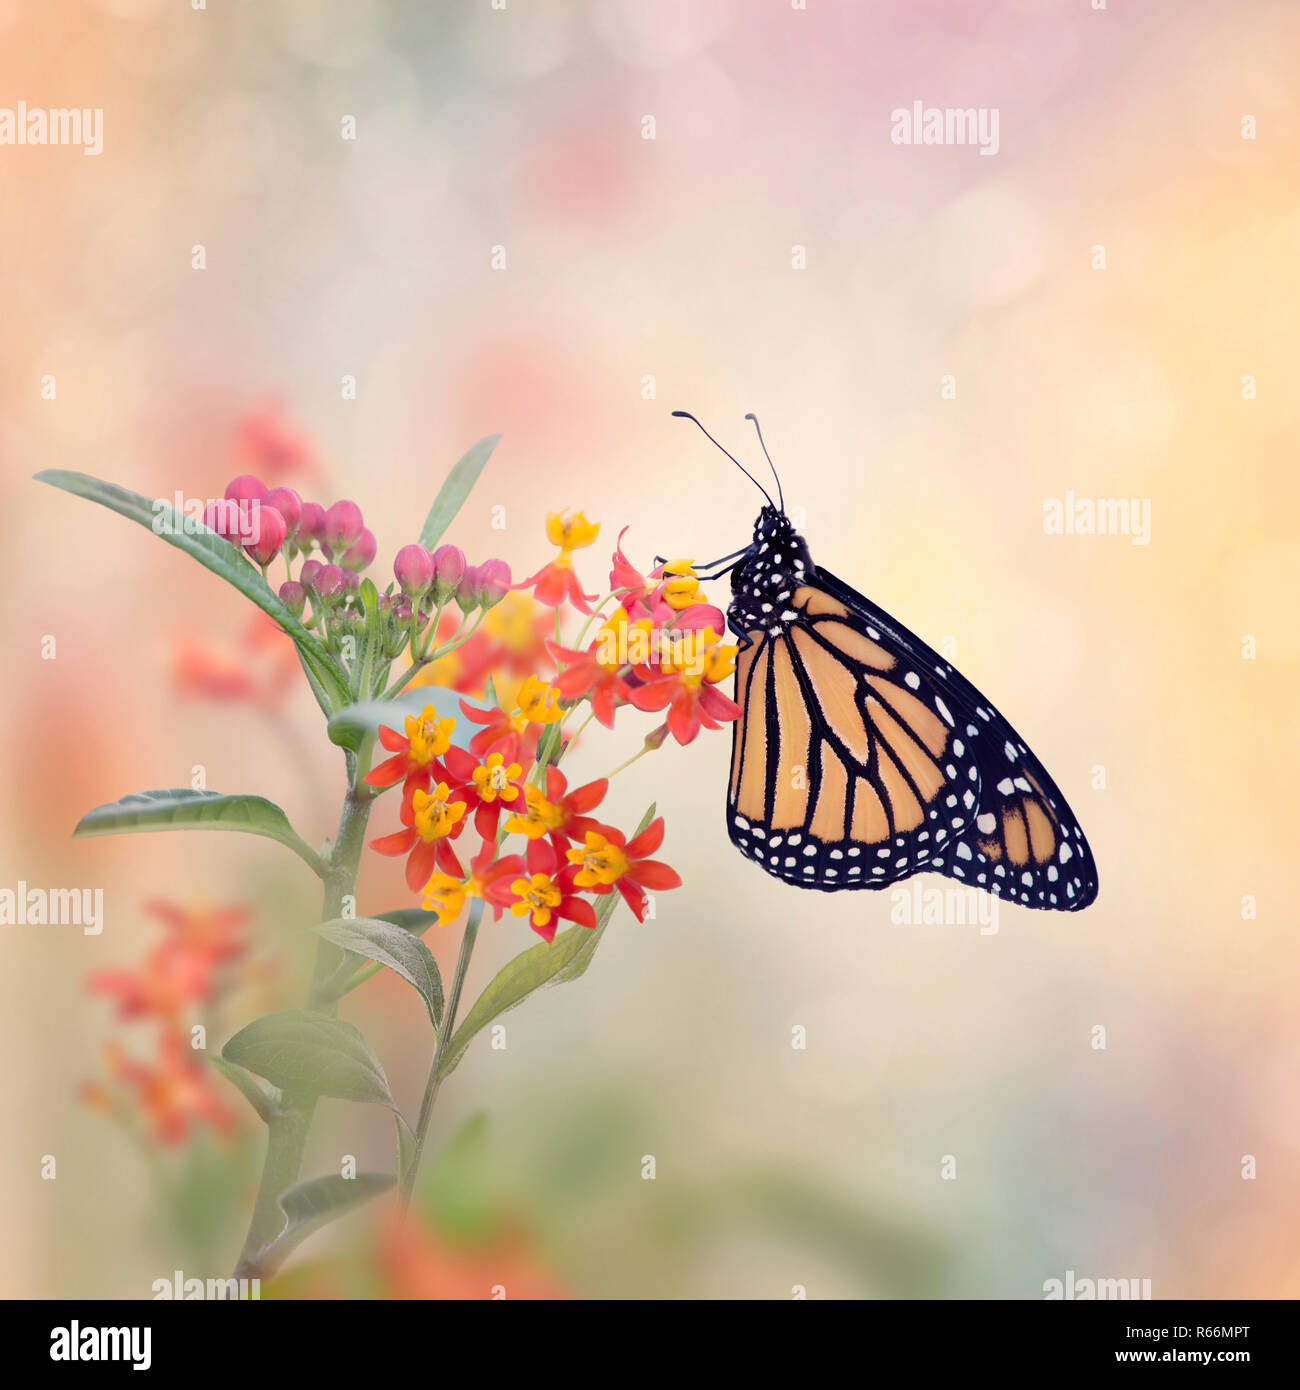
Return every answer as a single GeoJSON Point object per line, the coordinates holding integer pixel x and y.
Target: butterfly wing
{"type": "Point", "coordinates": [862, 757]}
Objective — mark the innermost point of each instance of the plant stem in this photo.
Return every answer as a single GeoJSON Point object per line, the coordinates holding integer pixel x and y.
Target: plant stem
{"type": "Point", "coordinates": [440, 1051]}
{"type": "Point", "coordinates": [287, 1131]}
{"type": "Point", "coordinates": [286, 1139]}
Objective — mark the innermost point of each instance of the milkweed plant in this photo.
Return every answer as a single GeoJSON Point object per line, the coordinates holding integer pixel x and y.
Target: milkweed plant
{"type": "Point", "coordinates": [454, 695]}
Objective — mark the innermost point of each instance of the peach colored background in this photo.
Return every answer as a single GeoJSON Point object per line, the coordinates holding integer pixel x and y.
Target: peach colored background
{"type": "Point", "coordinates": [671, 258]}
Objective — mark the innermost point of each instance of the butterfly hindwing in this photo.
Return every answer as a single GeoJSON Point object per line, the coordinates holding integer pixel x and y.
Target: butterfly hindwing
{"type": "Point", "coordinates": [862, 757]}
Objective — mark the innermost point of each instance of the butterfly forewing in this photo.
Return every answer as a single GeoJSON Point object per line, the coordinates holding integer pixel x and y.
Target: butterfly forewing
{"type": "Point", "coordinates": [862, 757]}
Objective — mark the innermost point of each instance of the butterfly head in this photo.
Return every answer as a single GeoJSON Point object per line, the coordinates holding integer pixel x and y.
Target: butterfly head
{"type": "Point", "coordinates": [763, 584]}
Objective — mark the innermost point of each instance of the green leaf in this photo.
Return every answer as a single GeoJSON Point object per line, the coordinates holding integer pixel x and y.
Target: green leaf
{"type": "Point", "coordinates": [412, 919]}
{"type": "Point", "coordinates": [455, 489]}
{"type": "Point", "coordinates": [401, 952]}
{"type": "Point", "coordinates": [308, 1206]}
{"type": "Point", "coordinates": [183, 808]}
{"type": "Point", "coordinates": [355, 724]}
{"type": "Point", "coordinates": [309, 1054]}
{"type": "Point", "coordinates": [253, 1092]}
{"type": "Point", "coordinates": [405, 1143]}
{"type": "Point", "coordinates": [566, 958]}
{"type": "Point", "coordinates": [223, 559]}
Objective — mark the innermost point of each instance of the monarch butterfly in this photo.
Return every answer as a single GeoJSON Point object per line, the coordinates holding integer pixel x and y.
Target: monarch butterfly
{"type": "Point", "coordinates": [862, 757]}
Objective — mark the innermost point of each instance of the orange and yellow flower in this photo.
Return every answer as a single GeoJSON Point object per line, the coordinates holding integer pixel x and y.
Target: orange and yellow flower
{"type": "Point", "coordinates": [546, 896]}
{"type": "Point", "coordinates": [487, 787]}
{"type": "Point", "coordinates": [488, 878]}
{"type": "Point", "coordinates": [432, 819]}
{"type": "Point", "coordinates": [607, 861]}
{"type": "Point", "coordinates": [688, 689]}
{"type": "Point", "coordinates": [557, 582]}
{"type": "Point", "coordinates": [558, 813]}
{"type": "Point", "coordinates": [415, 753]}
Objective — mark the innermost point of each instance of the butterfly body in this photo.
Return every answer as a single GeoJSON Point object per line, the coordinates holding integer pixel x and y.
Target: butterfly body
{"type": "Point", "coordinates": [862, 757]}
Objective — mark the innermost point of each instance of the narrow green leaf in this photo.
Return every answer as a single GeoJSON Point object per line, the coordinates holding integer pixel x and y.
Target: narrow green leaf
{"type": "Point", "coordinates": [253, 1092]}
{"type": "Point", "coordinates": [308, 1206]}
{"type": "Point", "coordinates": [388, 944]}
{"type": "Point", "coordinates": [412, 919]}
{"type": "Point", "coordinates": [216, 554]}
{"type": "Point", "coordinates": [566, 958]}
{"type": "Point", "coordinates": [309, 1054]}
{"type": "Point", "coordinates": [455, 489]}
{"type": "Point", "coordinates": [183, 808]}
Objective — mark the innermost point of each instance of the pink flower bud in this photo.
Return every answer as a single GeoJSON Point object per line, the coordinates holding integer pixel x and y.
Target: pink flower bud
{"type": "Point", "coordinates": [311, 526]}
{"type": "Point", "coordinates": [329, 583]}
{"type": "Point", "coordinates": [343, 524]}
{"type": "Point", "coordinates": [413, 569]}
{"type": "Point", "coordinates": [448, 570]}
{"type": "Point", "coordinates": [494, 579]}
{"type": "Point", "coordinates": [361, 552]}
{"type": "Point", "coordinates": [287, 502]}
{"type": "Point", "coordinates": [307, 575]}
{"type": "Point", "coordinates": [293, 596]}
{"type": "Point", "coordinates": [352, 581]}
{"type": "Point", "coordinates": [246, 488]}
{"type": "Point", "coordinates": [483, 585]}
{"type": "Point", "coordinates": [271, 532]}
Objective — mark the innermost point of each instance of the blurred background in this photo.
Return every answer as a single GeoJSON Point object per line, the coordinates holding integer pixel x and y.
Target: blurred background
{"type": "Point", "coordinates": [642, 275]}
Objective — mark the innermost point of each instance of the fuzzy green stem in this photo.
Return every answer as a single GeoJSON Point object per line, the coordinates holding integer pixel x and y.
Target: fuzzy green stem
{"type": "Point", "coordinates": [445, 1032]}
{"type": "Point", "coordinates": [288, 1130]}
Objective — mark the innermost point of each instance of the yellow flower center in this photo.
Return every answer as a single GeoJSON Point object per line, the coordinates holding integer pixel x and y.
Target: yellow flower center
{"type": "Point", "coordinates": [429, 735]}
{"type": "Point", "coordinates": [538, 817]}
{"type": "Point", "coordinates": [702, 657]}
{"type": "Point", "coordinates": [539, 703]}
{"type": "Point", "coordinates": [570, 532]}
{"type": "Point", "coordinates": [683, 589]}
{"type": "Point", "coordinates": [446, 896]}
{"type": "Point", "coordinates": [602, 862]}
{"type": "Point", "coordinates": [495, 781]}
{"type": "Point", "coordinates": [435, 815]}
{"type": "Point", "coordinates": [538, 896]}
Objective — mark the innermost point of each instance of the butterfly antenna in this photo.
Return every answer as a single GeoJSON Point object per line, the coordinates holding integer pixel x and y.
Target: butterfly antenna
{"type": "Point", "coordinates": [768, 457]}
{"type": "Point", "coordinates": [686, 415]}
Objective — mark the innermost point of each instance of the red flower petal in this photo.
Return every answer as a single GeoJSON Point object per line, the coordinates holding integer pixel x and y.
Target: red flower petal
{"type": "Point", "coordinates": [397, 843]}
{"type": "Point", "coordinates": [588, 797]}
{"type": "Point", "coordinates": [541, 858]}
{"type": "Point", "coordinates": [421, 864]}
{"type": "Point", "coordinates": [650, 873]}
{"type": "Point", "coordinates": [634, 897]}
{"type": "Point", "coordinates": [392, 740]}
{"type": "Point", "coordinates": [648, 840]}
{"type": "Point", "coordinates": [577, 910]}
{"type": "Point", "coordinates": [388, 774]}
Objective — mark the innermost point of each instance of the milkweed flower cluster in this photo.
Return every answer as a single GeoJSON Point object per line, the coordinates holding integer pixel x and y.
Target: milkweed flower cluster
{"type": "Point", "coordinates": [463, 804]}
{"type": "Point", "coordinates": [487, 811]}
{"type": "Point", "coordinates": [326, 552]}
{"type": "Point", "coordinates": [190, 968]}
